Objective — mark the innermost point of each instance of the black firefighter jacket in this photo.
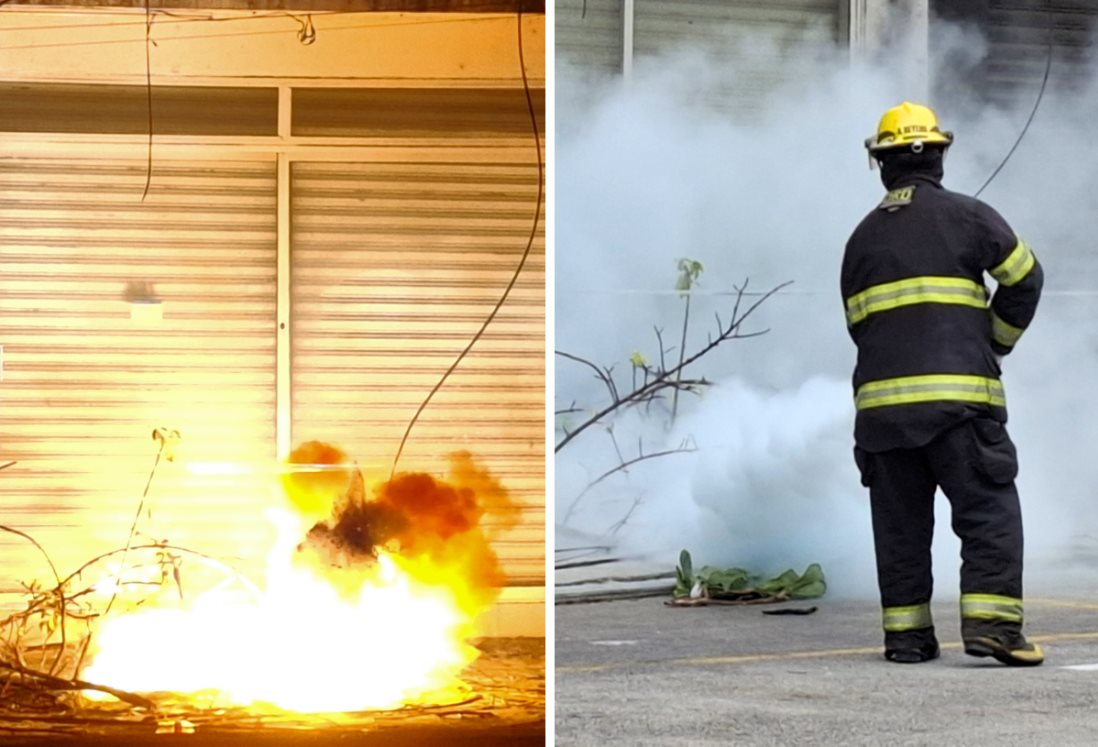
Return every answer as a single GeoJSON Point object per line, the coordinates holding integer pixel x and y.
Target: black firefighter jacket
{"type": "Point", "coordinates": [926, 327]}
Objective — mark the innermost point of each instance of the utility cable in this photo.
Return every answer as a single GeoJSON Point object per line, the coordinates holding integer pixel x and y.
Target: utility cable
{"type": "Point", "coordinates": [522, 260]}
{"type": "Point", "coordinates": [148, 98]}
{"type": "Point", "coordinates": [369, 26]}
{"type": "Point", "coordinates": [1036, 105]}
{"type": "Point", "coordinates": [167, 17]}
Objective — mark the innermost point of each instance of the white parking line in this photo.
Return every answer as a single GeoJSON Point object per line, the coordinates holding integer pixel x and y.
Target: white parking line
{"type": "Point", "coordinates": [613, 643]}
{"type": "Point", "coordinates": [1082, 667]}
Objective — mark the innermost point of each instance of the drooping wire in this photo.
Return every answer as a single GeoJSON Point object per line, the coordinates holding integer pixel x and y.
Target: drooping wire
{"type": "Point", "coordinates": [307, 33]}
{"type": "Point", "coordinates": [518, 269]}
{"type": "Point", "coordinates": [1036, 105]}
{"type": "Point", "coordinates": [182, 37]}
{"type": "Point", "coordinates": [148, 98]}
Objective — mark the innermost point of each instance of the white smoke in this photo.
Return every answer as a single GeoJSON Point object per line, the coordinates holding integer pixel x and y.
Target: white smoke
{"type": "Point", "coordinates": [650, 171]}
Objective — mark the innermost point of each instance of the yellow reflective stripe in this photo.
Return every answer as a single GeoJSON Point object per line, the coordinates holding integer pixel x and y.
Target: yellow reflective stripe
{"type": "Point", "coordinates": [991, 607]}
{"type": "Point", "coordinates": [913, 617]}
{"type": "Point", "coordinates": [926, 289]}
{"type": "Point", "coordinates": [930, 388]}
{"type": "Point", "coordinates": [1016, 266]}
{"type": "Point", "coordinates": [1003, 333]}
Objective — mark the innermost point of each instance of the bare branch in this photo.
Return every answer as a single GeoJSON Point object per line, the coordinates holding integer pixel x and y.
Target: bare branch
{"type": "Point", "coordinates": [614, 441]}
{"type": "Point", "coordinates": [59, 683]}
{"type": "Point", "coordinates": [612, 385]}
{"type": "Point", "coordinates": [603, 375]}
{"type": "Point", "coordinates": [664, 377]}
{"type": "Point", "coordinates": [659, 346]}
{"type": "Point", "coordinates": [625, 465]}
{"type": "Point", "coordinates": [617, 526]}
{"type": "Point", "coordinates": [59, 592]}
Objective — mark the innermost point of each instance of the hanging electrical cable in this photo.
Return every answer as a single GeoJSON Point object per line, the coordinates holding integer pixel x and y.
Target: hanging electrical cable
{"type": "Point", "coordinates": [487, 18]}
{"type": "Point", "coordinates": [1036, 105]}
{"type": "Point", "coordinates": [148, 98]}
{"type": "Point", "coordinates": [518, 269]}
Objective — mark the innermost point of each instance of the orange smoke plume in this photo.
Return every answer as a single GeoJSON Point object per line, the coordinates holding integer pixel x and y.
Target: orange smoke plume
{"type": "Point", "coordinates": [438, 528]}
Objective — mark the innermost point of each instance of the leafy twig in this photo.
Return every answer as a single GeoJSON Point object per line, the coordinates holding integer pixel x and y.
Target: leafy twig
{"type": "Point", "coordinates": [665, 378]}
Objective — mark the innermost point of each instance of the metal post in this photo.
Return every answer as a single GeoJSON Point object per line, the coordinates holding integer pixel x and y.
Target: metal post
{"type": "Point", "coordinates": [283, 402]}
{"type": "Point", "coordinates": [898, 32]}
{"type": "Point", "coordinates": [628, 9]}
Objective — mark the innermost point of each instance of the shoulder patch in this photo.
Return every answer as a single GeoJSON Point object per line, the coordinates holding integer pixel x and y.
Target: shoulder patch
{"type": "Point", "coordinates": [897, 199]}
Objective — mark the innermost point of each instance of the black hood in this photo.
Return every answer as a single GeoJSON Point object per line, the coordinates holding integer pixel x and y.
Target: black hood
{"type": "Point", "coordinates": [899, 169]}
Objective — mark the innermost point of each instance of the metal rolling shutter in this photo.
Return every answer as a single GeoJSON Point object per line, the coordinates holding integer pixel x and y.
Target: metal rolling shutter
{"type": "Point", "coordinates": [1018, 34]}
{"type": "Point", "coordinates": [394, 268]}
{"type": "Point", "coordinates": [759, 41]}
{"type": "Point", "coordinates": [84, 385]}
{"type": "Point", "coordinates": [589, 35]}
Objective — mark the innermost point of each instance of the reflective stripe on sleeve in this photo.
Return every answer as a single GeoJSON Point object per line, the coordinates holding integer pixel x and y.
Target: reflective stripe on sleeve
{"type": "Point", "coordinates": [991, 607]}
{"type": "Point", "coordinates": [1003, 333]}
{"type": "Point", "coordinates": [930, 388]}
{"type": "Point", "coordinates": [1016, 266]}
{"type": "Point", "coordinates": [927, 289]}
{"type": "Point", "coordinates": [913, 617]}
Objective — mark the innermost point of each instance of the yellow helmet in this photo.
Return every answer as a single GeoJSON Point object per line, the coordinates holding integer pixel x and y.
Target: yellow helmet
{"type": "Point", "coordinates": [907, 125]}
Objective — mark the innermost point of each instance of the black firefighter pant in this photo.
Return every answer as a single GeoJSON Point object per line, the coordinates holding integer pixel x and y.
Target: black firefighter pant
{"type": "Point", "coordinates": [975, 464]}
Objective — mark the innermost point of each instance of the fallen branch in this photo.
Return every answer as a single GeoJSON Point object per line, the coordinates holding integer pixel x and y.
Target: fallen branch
{"type": "Point", "coordinates": [586, 563]}
{"type": "Point", "coordinates": [619, 579]}
{"type": "Point", "coordinates": [59, 683]}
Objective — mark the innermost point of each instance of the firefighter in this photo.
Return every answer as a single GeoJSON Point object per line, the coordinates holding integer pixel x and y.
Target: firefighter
{"type": "Point", "coordinates": [930, 408]}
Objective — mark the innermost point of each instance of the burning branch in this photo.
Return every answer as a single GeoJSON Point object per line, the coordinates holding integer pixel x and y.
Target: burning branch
{"type": "Point", "coordinates": [60, 683]}
{"type": "Point", "coordinates": [50, 610]}
{"type": "Point", "coordinates": [58, 592]}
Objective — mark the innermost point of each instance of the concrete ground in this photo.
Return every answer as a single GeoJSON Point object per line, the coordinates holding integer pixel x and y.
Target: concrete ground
{"type": "Point", "coordinates": [639, 672]}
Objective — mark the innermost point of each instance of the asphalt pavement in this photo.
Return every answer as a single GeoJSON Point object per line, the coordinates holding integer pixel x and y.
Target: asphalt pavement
{"type": "Point", "coordinates": [642, 673]}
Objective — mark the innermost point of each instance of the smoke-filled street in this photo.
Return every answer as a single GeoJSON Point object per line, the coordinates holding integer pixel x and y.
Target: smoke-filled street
{"type": "Point", "coordinates": [728, 159]}
{"type": "Point", "coordinates": [731, 675]}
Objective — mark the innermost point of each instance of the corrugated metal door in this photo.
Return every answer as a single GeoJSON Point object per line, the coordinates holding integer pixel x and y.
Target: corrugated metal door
{"type": "Point", "coordinates": [395, 267]}
{"type": "Point", "coordinates": [589, 35]}
{"type": "Point", "coordinates": [755, 45]}
{"type": "Point", "coordinates": [85, 383]}
{"type": "Point", "coordinates": [1019, 34]}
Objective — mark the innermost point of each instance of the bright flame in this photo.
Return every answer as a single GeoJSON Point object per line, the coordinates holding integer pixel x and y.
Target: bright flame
{"type": "Point", "coordinates": [367, 634]}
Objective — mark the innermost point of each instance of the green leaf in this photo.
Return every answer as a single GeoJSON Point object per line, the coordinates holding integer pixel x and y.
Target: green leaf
{"type": "Point", "coordinates": [689, 271]}
{"type": "Point", "coordinates": [788, 584]}
{"type": "Point", "coordinates": [809, 591]}
{"type": "Point", "coordinates": [813, 573]}
{"type": "Point", "coordinates": [727, 579]}
{"type": "Point", "coordinates": [686, 566]}
{"type": "Point", "coordinates": [781, 583]}
{"type": "Point", "coordinates": [811, 584]}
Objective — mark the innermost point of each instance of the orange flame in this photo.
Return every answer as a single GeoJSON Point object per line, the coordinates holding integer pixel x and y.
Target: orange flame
{"type": "Point", "coordinates": [373, 608]}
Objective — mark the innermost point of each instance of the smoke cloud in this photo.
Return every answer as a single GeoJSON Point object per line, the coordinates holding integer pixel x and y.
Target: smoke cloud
{"type": "Point", "coordinates": [654, 169]}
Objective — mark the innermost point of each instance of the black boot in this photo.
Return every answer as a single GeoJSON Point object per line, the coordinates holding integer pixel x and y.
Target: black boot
{"type": "Point", "coordinates": [1014, 651]}
{"type": "Point", "coordinates": [1002, 641]}
{"type": "Point", "coordinates": [911, 646]}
